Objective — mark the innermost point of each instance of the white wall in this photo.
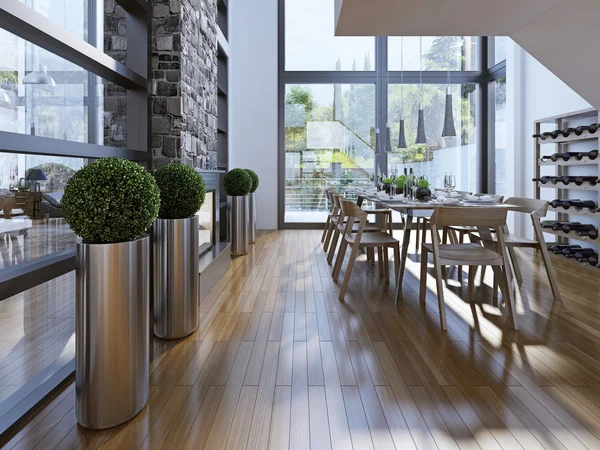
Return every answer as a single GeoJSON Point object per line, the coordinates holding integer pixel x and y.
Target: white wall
{"type": "Point", "coordinates": [253, 99]}
{"type": "Point", "coordinates": [537, 93]}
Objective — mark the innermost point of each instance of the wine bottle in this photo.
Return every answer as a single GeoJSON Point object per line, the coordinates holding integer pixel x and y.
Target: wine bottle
{"type": "Point", "coordinates": [558, 248]}
{"type": "Point", "coordinates": [546, 179]}
{"type": "Point", "coordinates": [579, 180]}
{"type": "Point", "coordinates": [585, 253]}
{"type": "Point", "coordinates": [576, 226]}
{"type": "Point", "coordinates": [552, 224]}
{"type": "Point", "coordinates": [589, 155]}
{"type": "Point", "coordinates": [564, 156]}
{"type": "Point", "coordinates": [591, 260]}
{"type": "Point", "coordinates": [556, 203]}
{"type": "Point", "coordinates": [593, 128]}
{"type": "Point", "coordinates": [592, 233]}
{"type": "Point", "coordinates": [579, 204]}
{"type": "Point", "coordinates": [571, 250]}
{"type": "Point", "coordinates": [579, 130]}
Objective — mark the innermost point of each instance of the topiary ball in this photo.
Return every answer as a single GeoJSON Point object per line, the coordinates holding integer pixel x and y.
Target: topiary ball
{"type": "Point", "coordinates": [111, 200]}
{"type": "Point", "coordinates": [182, 191]}
{"type": "Point", "coordinates": [254, 177]}
{"type": "Point", "coordinates": [237, 182]}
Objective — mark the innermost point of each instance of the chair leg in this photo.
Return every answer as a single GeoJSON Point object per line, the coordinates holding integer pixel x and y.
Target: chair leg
{"type": "Point", "coordinates": [396, 260]}
{"type": "Point", "coordinates": [510, 296]}
{"type": "Point", "coordinates": [386, 265]}
{"type": "Point", "coordinates": [333, 246]}
{"type": "Point", "coordinates": [472, 272]}
{"type": "Point", "coordinates": [461, 240]}
{"type": "Point", "coordinates": [494, 290]}
{"type": "Point", "coordinates": [353, 256]}
{"type": "Point", "coordinates": [423, 281]}
{"type": "Point", "coordinates": [325, 229]}
{"type": "Point", "coordinates": [380, 260]}
{"type": "Point", "coordinates": [329, 236]}
{"type": "Point", "coordinates": [440, 292]}
{"type": "Point", "coordinates": [550, 271]}
{"type": "Point", "coordinates": [515, 264]}
{"type": "Point", "coordinates": [371, 255]}
{"type": "Point", "coordinates": [340, 260]}
{"type": "Point", "coordinates": [445, 236]}
{"type": "Point", "coordinates": [417, 229]}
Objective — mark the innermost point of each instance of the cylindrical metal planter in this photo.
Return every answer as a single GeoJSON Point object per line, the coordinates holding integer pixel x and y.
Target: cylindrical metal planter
{"type": "Point", "coordinates": [175, 277]}
{"type": "Point", "coordinates": [238, 224]}
{"type": "Point", "coordinates": [112, 332]}
{"type": "Point", "coordinates": [251, 217]}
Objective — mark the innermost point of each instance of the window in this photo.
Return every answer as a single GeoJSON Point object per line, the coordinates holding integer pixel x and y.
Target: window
{"type": "Point", "coordinates": [311, 45]}
{"type": "Point", "coordinates": [500, 49]}
{"type": "Point", "coordinates": [499, 148]}
{"type": "Point", "coordinates": [451, 154]}
{"type": "Point", "coordinates": [329, 143]}
{"type": "Point", "coordinates": [457, 53]}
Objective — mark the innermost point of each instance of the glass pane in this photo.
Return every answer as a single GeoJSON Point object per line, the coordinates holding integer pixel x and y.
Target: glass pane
{"type": "Point", "coordinates": [38, 338]}
{"type": "Point", "coordinates": [451, 154]}
{"type": "Point", "coordinates": [500, 49]}
{"type": "Point", "coordinates": [439, 53]}
{"type": "Point", "coordinates": [42, 94]}
{"type": "Point", "coordinates": [31, 220]}
{"type": "Point", "coordinates": [329, 142]}
{"type": "Point", "coordinates": [500, 135]}
{"type": "Point", "coordinates": [310, 43]}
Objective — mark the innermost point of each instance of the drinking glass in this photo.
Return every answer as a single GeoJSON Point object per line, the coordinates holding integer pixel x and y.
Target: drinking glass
{"type": "Point", "coordinates": [451, 181]}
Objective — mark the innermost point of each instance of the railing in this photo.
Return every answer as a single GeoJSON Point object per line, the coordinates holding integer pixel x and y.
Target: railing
{"type": "Point", "coordinates": [304, 194]}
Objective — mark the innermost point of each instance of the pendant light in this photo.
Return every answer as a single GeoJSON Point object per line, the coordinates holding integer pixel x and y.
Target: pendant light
{"type": "Point", "coordinates": [449, 130]}
{"type": "Point", "coordinates": [401, 133]}
{"type": "Point", "coordinates": [388, 132]}
{"type": "Point", "coordinates": [421, 139]}
{"type": "Point", "coordinates": [377, 152]}
{"type": "Point", "coordinates": [40, 77]}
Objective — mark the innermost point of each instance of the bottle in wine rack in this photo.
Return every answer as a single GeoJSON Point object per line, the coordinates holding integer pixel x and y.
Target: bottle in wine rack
{"type": "Point", "coordinates": [589, 155]}
{"type": "Point", "coordinates": [592, 233]}
{"type": "Point", "coordinates": [576, 226]}
{"type": "Point", "coordinates": [579, 204]}
{"type": "Point", "coordinates": [585, 253]}
{"type": "Point", "coordinates": [548, 179]}
{"type": "Point", "coordinates": [554, 225]}
{"type": "Point", "coordinates": [591, 260]}
{"type": "Point", "coordinates": [559, 248]}
{"type": "Point", "coordinates": [565, 156]}
{"type": "Point", "coordinates": [579, 180]}
{"type": "Point", "coordinates": [571, 251]}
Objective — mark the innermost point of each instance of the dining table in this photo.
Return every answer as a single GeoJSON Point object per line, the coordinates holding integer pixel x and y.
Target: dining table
{"type": "Point", "coordinates": [410, 209]}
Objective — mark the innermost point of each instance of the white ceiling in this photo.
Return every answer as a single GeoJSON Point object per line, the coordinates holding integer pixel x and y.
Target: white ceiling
{"type": "Point", "coordinates": [561, 34]}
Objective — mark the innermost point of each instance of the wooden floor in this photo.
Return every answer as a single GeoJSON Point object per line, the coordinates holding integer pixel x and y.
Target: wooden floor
{"type": "Point", "coordinates": [280, 363]}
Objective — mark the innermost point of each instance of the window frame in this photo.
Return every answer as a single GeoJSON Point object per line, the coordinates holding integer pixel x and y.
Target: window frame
{"type": "Point", "coordinates": [484, 120]}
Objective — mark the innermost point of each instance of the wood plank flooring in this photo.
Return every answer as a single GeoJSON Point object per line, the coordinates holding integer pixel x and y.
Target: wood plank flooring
{"type": "Point", "coordinates": [280, 363]}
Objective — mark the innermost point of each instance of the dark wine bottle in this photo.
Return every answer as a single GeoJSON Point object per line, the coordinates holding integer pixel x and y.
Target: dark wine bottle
{"type": "Point", "coordinates": [591, 260]}
{"type": "Point", "coordinates": [551, 223]}
{"type": "Point", "coordinates": [585, 253]}
{"type": "Point", "coordinates": [589, 155]}
{"type": "Point", "coordinates": [579, 130]}
{"type": "Point", "coordinates": [571, 250]}
{"type": "Point", "coordinates": [579, 180]}
{"type": "Point", "coordinates": [592, 234]}
{"type": "Point", "coordinates": [579, 204]}
{"type": "Point", "coordinates": [593, 128]}
{"type": "Point", "coordinates": [564, 156]}
{"type": "Point", "coordinates": [576, 226]}
{"type": "Point", "coordinates": [559, 248]}
{"type": "Point", "coordinates": [546, 179]}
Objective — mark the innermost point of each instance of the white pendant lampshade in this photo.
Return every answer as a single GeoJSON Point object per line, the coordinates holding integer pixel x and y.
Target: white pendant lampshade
{"type": "Point", "coordinates": [39, 77]}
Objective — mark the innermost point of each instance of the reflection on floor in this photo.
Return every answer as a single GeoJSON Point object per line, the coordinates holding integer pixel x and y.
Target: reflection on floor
{"type": "Point", "coordinates": [37, 334]}
{"type": "Point", "coordinates": [279, 362]}
{"type": "Point", "coordinates": [23, 239]}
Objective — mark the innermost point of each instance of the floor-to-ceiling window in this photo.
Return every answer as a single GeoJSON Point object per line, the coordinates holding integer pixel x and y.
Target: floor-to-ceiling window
{"type": "Point", "coordinates": [63, 104]}
{"type": "Point", "coordinates": [339, 95]}
{"type": "Point", "coordinates": [497, 139]}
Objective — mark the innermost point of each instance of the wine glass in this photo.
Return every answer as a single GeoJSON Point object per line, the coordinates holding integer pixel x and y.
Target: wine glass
{"type": "Point", "coordinates": [451, 181]}
{"type": "Point", "coordinates": [447, 183]}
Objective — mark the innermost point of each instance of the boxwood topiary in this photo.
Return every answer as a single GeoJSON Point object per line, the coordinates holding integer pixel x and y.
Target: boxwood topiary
{"type": "Point", "coordinates": [237, 182]}
{"type": "Point", "coordinates": [254, 177]}
{"type": "Point", "coordinates": [182, 191]}
{"type": "Point", "coordinates": [111, 200]}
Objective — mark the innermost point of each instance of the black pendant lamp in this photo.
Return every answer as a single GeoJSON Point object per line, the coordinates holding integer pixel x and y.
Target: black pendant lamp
{"type": "Point", "coordinates": [449, 130]}
{"type": "Point", "coordinates": [401, 133]}
{"type": "Point", "coordinates": [377, 152]}
{"type": "Point", "coordinates": [421, 138]}
{"type": "Point", "coordinates": [388, 141]}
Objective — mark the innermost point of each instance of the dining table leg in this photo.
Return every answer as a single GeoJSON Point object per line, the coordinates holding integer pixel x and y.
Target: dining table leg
{"type": "Point", "coordinates": [405, 244]}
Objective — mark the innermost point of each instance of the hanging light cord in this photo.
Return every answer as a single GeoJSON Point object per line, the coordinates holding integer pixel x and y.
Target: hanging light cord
{"type": "Point", "coordinates": [421, 71]}
{"type": "Point", "coordinates": [401, 76]}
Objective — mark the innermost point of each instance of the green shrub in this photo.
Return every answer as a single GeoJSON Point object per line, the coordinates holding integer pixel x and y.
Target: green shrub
{"type": "Point", "coordinates": [182, 191]}
{"type": "Point", "coordinates": [423, 184]}
{"type": "Point", "coordinates": [387, 181]}
{"type": "Point", "coordinates": [400, 180]}
{"type": "Point", "coordinates": [254, 177]}
{"type": "Point", "coordinates": [111, 200]}
{"type": "Point", "coordinates": [237, 182]}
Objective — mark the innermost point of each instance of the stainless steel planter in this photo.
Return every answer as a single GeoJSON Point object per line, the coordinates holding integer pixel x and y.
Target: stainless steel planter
{"type": "Point", "coordinates": [238, 224]}
{"type": "Point", "coordinates": [112, 332]}
{"type": "Point", "coordinates": [175, 277]}
{"type": "Point", "coordinates": [251, 218]}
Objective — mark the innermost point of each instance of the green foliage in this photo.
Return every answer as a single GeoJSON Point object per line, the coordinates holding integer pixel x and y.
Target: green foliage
{"type": "Point", "coordinates": [400, 180]}
{"type": "Point", "coordinates": [255, 179]}
{"type": "Point", "coordinates": [111, 200]}
{"type": "Point", "coordinates": [423, 184]}
{"type": "Point", "coordinates": [182, 191]}
{"type": "Point", "coordinates": [237, 182]}
{"type": "Point", "coordinates": [387, 181]}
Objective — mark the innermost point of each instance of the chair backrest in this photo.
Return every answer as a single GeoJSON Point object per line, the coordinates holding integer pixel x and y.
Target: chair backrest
{"type": "Point", "coordinates": [352, 213]}
{"type": "Point", "coordinates": [532, 206]}
{"type": "Point", "coordinates": [469, 216]}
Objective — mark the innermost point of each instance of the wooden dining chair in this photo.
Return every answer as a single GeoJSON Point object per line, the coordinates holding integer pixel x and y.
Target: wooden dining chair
{"type": "Point", "coordinates": [470, 254]}
{"type": "Point", "coordinates": [380, 240]}
{"type": "Point", "coordinates": [536, 209]}
{"type": "Point", "coordinates": [331, 220]}
{"type": "Point", "coordinates": [329, 216]}
{"type": "Point", "coordinates": [340, 221]}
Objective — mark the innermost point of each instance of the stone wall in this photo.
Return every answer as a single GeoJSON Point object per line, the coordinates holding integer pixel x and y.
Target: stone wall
{"type": "Point", "coordinates": [184, 82]}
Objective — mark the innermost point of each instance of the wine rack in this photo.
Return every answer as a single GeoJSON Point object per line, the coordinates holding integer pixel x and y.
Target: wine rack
{"type": "Point", "coordinates": [585, 142]}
